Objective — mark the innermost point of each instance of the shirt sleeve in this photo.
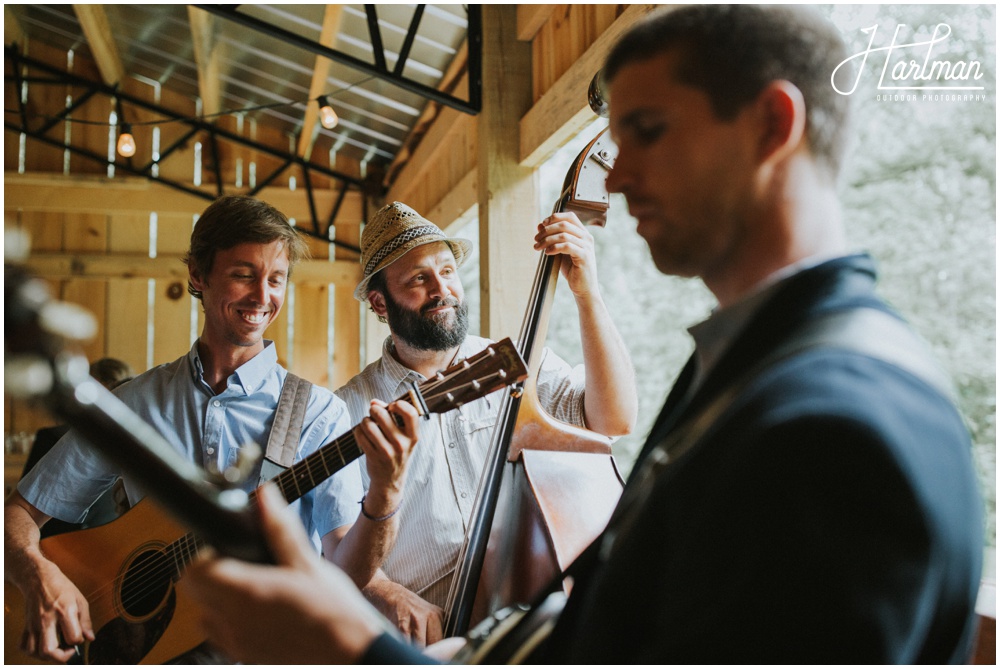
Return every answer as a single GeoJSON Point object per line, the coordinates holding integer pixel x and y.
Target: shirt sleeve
{"type": "Point", "coordinates": [561, 389]}
{"type": "Point", "coordinates": [68, 479]}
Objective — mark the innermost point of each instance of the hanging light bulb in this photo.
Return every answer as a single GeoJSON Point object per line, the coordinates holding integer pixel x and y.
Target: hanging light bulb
{"type": "Point", "coordinates": [126, 142]}
{"type": "Point", "coordinates": [327, 116]}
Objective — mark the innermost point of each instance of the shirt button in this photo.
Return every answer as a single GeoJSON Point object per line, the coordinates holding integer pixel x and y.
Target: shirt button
{"type": "Point", "coordinates": [217, 403]}
{"type": "Point", "coordinates": [210, 450]}
{"type": "Point", "coordinates": [249, 388]}
{"type": "Point", "coordinates": [464, 495]}
{"type": "Point", "coordinates": [451, 445]}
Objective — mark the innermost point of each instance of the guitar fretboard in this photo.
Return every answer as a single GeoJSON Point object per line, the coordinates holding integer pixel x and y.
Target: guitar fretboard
{"type": "Point", "coordinates": [293, 483]}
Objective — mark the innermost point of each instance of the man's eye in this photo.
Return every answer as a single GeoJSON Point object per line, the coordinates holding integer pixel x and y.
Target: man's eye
{"type": "Point", "coordinates": [649, 133]}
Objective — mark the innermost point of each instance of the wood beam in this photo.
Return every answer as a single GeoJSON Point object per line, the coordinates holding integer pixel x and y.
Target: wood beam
{"type": "Point", "coordinates": [530, 19]}
{"type": "Point", "coordinates": [332, 17]}
{"type": "Point", "coordinates": [12, 31]}
{"type": "Point", "coordinates": [209, 56]}
{"type": "Point", "coordinates": [455, 77]}
{"type": "Point", "coordinates": [40, 191]}
{"type": "Point", "coordinates": [562, 111]}
{"type": "Point", "coordinates": [508, 194]}
{"type": "Point", "coordinates": [458, 206]}
{"type": "Point", "coordinates": [96, 28]}
{"type": "Point", "coordinates": [140, 266]}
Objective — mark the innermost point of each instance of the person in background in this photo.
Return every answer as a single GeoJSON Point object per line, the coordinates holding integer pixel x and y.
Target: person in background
{"type": "Point", "coordinates": [807, 494]}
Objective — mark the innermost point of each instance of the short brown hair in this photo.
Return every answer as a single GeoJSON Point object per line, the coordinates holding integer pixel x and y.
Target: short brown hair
{"type": "Point", "coordinates": [732, 52]}
{"type": "Point", "coordinates": [236, 219]}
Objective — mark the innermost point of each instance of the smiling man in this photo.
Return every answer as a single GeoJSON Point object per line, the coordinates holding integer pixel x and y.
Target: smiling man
{"type": "Point", "coordinates": [411, 282]}
{"type": "Point", "coordinates": [210, 404]}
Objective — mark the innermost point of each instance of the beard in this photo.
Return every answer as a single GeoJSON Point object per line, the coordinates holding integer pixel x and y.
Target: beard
{"type": "Point", "coordinates": [428, 332]}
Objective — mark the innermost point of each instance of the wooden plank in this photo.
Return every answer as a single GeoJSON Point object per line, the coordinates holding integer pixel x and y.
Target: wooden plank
{"type": "Point", "coordinates": [135, 265]}
{"type": "Point", "coordinates": [508, 198]}
{"type": "Point", "coordinates": [96, 194]}
{"type": "Point", "coordinates": [563, 110]}
{"type": "Point", "coordinates": [209, 58]}
{"type": "Point", "coordinates": [530, 19]}
{"type": "Point", "coordinates": [12, 31]}
{"type": "Point", "coordinates": [346, 354]}
{"type": "Point", "coordinates": [97, 30]}
{"type": "Point", "coordinates": [92, 296]}
{"type": "Point", "coordinates": [457, 204]}
{"type": "Point", "coordinates": [332, 17]}
{"type": "Point", "coordinates": [171, 301]}
{"type": "Point", "coordinates": [448, 125]}
{"type": "Point", "coordinates": [127, 331]}
{"type": "Point", "coordinates": [310, 358]}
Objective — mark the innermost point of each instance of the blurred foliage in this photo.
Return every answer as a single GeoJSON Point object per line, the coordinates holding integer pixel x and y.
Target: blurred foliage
{"type": "Point", "coordinates": [918, 193]}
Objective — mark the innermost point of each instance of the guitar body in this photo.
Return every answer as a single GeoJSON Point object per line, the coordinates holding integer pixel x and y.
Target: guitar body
{"type": "Point", "coordinates": [137, 613]}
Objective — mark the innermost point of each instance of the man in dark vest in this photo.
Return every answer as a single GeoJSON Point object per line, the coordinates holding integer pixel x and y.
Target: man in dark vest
{"type": "Point", "coordinates": [807, 494]}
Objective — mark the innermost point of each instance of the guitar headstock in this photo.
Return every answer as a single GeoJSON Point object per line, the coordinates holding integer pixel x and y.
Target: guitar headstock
{"type": "Point", "coordinates": [493, 368]}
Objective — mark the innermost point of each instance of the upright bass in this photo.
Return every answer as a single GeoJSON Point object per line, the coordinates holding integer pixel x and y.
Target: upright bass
{"type": "Point", "coordinates": [549, 487]}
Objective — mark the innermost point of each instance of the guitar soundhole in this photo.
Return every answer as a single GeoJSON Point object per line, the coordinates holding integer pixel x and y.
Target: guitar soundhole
{"type": "Point", "coordinates": [145, 583]}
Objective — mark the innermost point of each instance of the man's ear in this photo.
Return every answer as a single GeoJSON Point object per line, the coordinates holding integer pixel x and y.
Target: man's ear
{"type": "Point", "coordinates": [195, 278]}
{"type": "Point", "coordinates": [377, 300]}
{"type": "Point", "coordinates": [783, 112]}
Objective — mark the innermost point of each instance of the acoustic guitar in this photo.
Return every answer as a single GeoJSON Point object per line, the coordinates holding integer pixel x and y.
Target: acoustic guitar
{"type": "Point", "coordinates": [128, 569]}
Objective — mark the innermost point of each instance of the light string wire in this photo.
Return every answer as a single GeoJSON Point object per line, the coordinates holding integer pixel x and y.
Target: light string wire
{"type": "Point", "coordinates": [195, 119]}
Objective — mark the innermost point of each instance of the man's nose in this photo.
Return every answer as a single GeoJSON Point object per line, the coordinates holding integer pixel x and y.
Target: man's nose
{"type": "Point", "coordinates": [261, 292]}
{"type": "Point", "coordinates": [618, 179]}
{"type": "Point", "coordinates": [436, 286]}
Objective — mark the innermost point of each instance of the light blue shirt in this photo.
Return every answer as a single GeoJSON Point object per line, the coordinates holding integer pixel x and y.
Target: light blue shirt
{"type": "Point", "coordinates": [207, 428]}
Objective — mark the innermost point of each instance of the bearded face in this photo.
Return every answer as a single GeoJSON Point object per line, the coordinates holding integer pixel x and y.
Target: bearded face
{"type": "Point", "coordinates": [427, 329]}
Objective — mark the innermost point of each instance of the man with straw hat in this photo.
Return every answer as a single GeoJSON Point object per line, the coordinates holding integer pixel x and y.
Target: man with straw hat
{"type": "Point", "coordinates": [411, 282]}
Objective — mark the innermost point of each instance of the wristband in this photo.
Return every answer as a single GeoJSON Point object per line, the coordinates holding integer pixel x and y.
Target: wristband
{"type": "Point", "coordinates": [378, 519]}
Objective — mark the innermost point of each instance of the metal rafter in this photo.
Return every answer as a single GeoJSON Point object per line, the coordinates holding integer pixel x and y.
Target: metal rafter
{"type": "Point", "coordinates": [59, 77]}
{"type": "Point", "coordinates": [380, 70]}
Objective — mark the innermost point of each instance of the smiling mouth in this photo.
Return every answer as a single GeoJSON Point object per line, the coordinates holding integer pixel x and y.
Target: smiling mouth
{"type": "Point", "coordinates": [254, 317]}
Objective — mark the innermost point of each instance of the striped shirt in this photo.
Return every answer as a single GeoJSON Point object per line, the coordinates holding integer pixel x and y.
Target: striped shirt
{"type": "Point", "coordinates": [444, 470]}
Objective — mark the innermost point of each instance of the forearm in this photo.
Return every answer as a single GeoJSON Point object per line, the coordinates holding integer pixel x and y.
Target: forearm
{"type": "Point", "coordinates": [610, 401]}
{"type": "Point", "coordinates": [364, 547]}
{"type": "Point", "coordinates": [21, 537]}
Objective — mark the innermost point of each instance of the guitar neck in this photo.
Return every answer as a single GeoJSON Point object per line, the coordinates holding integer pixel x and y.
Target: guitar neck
{"type": "Point", "coordinates": [308, 473]}
{"type": "Point", "coordinates": [294, 482]}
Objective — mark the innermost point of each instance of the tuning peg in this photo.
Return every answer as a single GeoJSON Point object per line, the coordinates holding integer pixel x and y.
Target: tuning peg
{"type": "Point", "coordinates": [16, 244]}
{"type": "Point", "coordinates": [68, 321]}
{"type": "Point", "coordinates": [26, 376]}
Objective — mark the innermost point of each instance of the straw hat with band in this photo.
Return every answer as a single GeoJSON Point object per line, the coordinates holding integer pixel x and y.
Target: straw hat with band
{"type": "Point", "coordinates": [394, 230]}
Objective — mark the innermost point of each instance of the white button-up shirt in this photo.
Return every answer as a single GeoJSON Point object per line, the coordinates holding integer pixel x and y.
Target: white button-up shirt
{"type": "Point", "coordinates": [444, 470]}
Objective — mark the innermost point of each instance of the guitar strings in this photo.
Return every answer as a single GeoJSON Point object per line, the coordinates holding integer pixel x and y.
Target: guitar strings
{"type": "Point", "coordinates": [166, 563]}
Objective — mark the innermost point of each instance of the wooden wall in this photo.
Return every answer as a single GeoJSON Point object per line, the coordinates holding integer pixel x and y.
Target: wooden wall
{"type": "Point", "coordinates": [91, 238]}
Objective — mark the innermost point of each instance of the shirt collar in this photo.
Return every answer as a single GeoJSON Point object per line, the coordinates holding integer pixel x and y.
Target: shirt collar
{"type": "Point", "coordinates": [713, 336]}
{"type": "Point", "coordinates": [398, 372]}
{"type": "Point", "coordinates": [250, 375]}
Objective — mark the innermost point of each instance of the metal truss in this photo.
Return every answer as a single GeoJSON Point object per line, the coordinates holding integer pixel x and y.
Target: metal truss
{"type": "Point", "coordinates": [40, 132]}
{"type": "Point", "coordinates": [380, 68]}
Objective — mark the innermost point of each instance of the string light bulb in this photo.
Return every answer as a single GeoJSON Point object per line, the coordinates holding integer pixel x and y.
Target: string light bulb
{"type": "Point", "coordinates": [327, 116]}
{"type": "Point", "coordinates": [126, 142]}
